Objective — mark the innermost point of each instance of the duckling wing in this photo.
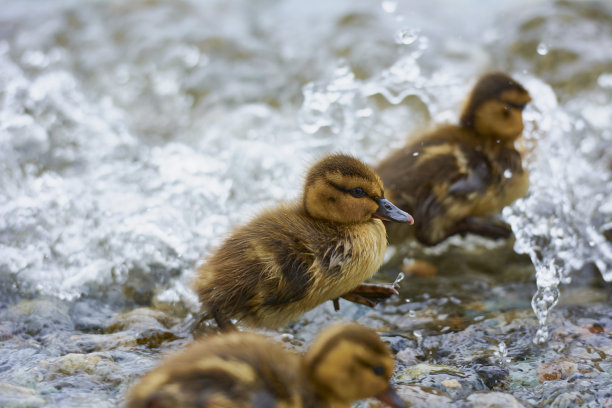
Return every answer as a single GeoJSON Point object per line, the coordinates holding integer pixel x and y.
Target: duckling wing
{"type": "Point", "coordinates": [475, 180]}
{"type": "Point", "coordinates": [290, 276]}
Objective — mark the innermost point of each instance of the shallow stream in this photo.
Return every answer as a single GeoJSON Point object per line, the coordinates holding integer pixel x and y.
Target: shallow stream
{"type": "Point", "coordinates": [135, 135]}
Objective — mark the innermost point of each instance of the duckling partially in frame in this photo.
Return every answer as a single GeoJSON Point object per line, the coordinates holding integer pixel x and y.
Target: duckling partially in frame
{"type": "Point", "coordinates": [296, 256]}
{"type": "Point", "coordinates": [345, 363]}
{"type": "Point", "coordinates": [456, 179]}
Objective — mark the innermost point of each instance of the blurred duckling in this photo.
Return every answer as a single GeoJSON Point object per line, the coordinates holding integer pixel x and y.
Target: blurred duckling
{"type": "Point", "coordinates": [455, 179]}
{"type": "Point", "coordinates": [240, 369]}
{"type": "Point", "coordinates": [296, 256]}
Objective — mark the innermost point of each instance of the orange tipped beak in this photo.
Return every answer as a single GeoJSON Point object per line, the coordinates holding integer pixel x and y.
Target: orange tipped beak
{"type": "Point", "coordinates": [391, 398]}
{"type": "Point", "coordinates": [389, 212]}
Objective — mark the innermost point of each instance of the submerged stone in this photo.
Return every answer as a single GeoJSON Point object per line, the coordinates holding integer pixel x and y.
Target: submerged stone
{"type": "Point", "coordinates": [42, 316]}
{"type": "Point", "coordinates": [13, 396]}
{"type": "Point", "coordinates": [493, 400]}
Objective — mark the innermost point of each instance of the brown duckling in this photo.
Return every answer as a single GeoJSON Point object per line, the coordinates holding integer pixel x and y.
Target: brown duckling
{"type": "Point", "coordinates": [296, 256]}
{"type": "Point", "coordinates": [455, 179]}
{"type": "Point", "coordinates": [240, 369]}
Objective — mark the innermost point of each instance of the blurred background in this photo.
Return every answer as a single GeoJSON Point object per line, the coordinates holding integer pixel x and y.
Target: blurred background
{"type": "Point", "coordinates": [135, 135]}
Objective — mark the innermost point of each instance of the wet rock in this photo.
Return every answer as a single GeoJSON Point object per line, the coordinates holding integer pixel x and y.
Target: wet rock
{"type": "Point", "coordinates": [148, 327]}
{"type": "Point", "coordinates": [557, 370]}
{"type": "Point", "coordinates": [74, 364]}
{"type": "Point", "coordinates": [417, 396]}
{"type": "Point", "coordinates": [453, 381]}
{"type": "Point", "coordinates": [6, 331]}
{"type": "Point", "coordinates": [13, 396]}
{"type": "Point", "coordinates": [41, 316]}
{"type": "Point", "coordinates": [90, 316]}
{"type": "Point", "coordinates": [409, 356]}
{"type": "Point", "coordinates": [419, 268]}
{"type": "Point", "coordinates": [88, 343]}
{"type": "Point", "coordinates": [491, 374]}
{"type": "Point", "coordinates": [141, 318]}
{"type": "Point", "coordinates": [418, 370]}
{"type": "Point", "coordinates": [493, 400]}
{"type": "Point", "coordinates": [570, 399]}
{"type": "Point", "coordinates": [141, 284]}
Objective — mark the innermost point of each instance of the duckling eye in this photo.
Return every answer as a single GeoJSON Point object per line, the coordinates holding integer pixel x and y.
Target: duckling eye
{"type": "Point", "coordinates": [378, 370]}
{"type": "Point", "coordinates": [519, 106]}
{"type": "Point", "coordinates": [357, 192]}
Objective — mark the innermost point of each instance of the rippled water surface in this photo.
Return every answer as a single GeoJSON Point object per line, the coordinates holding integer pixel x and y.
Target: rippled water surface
{"type": "Point", "coordinates": [135, 135]}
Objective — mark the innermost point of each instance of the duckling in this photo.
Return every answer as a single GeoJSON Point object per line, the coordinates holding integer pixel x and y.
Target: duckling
{"type": "Point", "coordinates": [296, 256]}
{"type": "Point", "coordinates": [345, 363]}
{"type": "Point", "coordinates": [455, 179]}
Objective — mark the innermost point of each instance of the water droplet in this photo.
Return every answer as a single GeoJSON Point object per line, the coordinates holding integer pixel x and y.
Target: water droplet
{"type": "Point", "coordinates": [507, 173]}
{"type": "Point", "coordinates": [502, 353]}
{"type": "Point", "coordinates": [407, 36]}
{"type": "Point", "coordinates": [389, 6]}
{"type": "Point", "coordinates": [542, 49]}
{"type": "Point", "coordinates": [364, 113]}
{"type": "Point", "coordinates": [35, 59]}
{"type": "Point", "coordinates": [605, 80]}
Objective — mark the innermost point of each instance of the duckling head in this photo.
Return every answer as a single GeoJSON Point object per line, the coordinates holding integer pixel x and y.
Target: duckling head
{"type": "Point", "coordinates": [494, 109]}
{"type": "Point", "coordinates": [349, 362]}
{"type": "Point", "coordinates": [343, 189]}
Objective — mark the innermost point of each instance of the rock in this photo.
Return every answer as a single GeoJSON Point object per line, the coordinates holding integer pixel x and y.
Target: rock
{"type": "Point", "coordinates": [415, 371]}
{"type": "Point", "coordinates": [13, 396]}
{"type": "Point", "coordinates": [452, 383]}
{"type": "Point", "coordinates": [73, 364]}
{"type": "Point", "coordinates": [90, 316]}
{"type": "Point", "coordinates": [419, 267]}
{"type": "Point", "coordinates": [492, 400]}
{"type": "Point", "coordinates": [41, 316]}
{"type": "Point", "coordinates": [409, 356]}
{"type": "Point", "coordinates": [141, 318]}
{"type": "Point", "coordinates": [557, 370]}
{"type": "Point", "coordinates": [417, 396]}
{"type": "Point", "coordinates": [148, 327]}
{"type": "Point", "coordinates": [492, 375]}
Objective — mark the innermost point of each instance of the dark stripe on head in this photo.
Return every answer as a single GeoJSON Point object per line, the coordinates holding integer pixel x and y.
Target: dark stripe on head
{"type": "Point", "coordinates": [354, 334]}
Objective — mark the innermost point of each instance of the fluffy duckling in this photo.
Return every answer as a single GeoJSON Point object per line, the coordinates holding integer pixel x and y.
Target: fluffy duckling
{"type": "Point", "coordinates": [240, 369]}
{"type": "Point", "coordinates": [456, 178]}
{"type": "Point", "coordinates": [296, 256]}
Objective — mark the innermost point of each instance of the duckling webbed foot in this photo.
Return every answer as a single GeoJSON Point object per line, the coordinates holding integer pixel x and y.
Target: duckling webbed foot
{"type": "Point", "coordinates": [483, 226]}
{"type": "Point", "coordinates": [224, 322]}
{"type": "Point", "coordinates": [371, 294]}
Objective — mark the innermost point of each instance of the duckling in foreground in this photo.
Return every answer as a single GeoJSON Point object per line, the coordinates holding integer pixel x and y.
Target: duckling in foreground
{"type": "Point", "coordinates": [456, 178]}
{"type": "Point", "coordinates": [240, 369]}
{"type": "Point", "coordinates": [296, 256]}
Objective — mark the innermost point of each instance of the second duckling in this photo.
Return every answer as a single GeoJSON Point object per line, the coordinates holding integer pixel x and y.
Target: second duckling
{"type": "Point", "coordinates": [345, 363]}
{"type": "Point", "coordinates": [296, 256]}
{"type": "Point", "coordinates": [456, 178]}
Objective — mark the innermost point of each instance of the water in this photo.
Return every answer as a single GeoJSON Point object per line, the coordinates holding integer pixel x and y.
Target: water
{"type": "Point", "coordinates": [134, 136]}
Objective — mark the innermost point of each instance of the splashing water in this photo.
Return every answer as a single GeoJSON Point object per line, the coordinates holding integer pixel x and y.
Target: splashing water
{"type": "Point", "coordinates": [560, 223]}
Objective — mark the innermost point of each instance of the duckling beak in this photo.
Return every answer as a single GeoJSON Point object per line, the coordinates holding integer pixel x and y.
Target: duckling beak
{"type": "Point", "coordinates": [389, 212]}
{"type": "Point", "coordinates": [391, 398]}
